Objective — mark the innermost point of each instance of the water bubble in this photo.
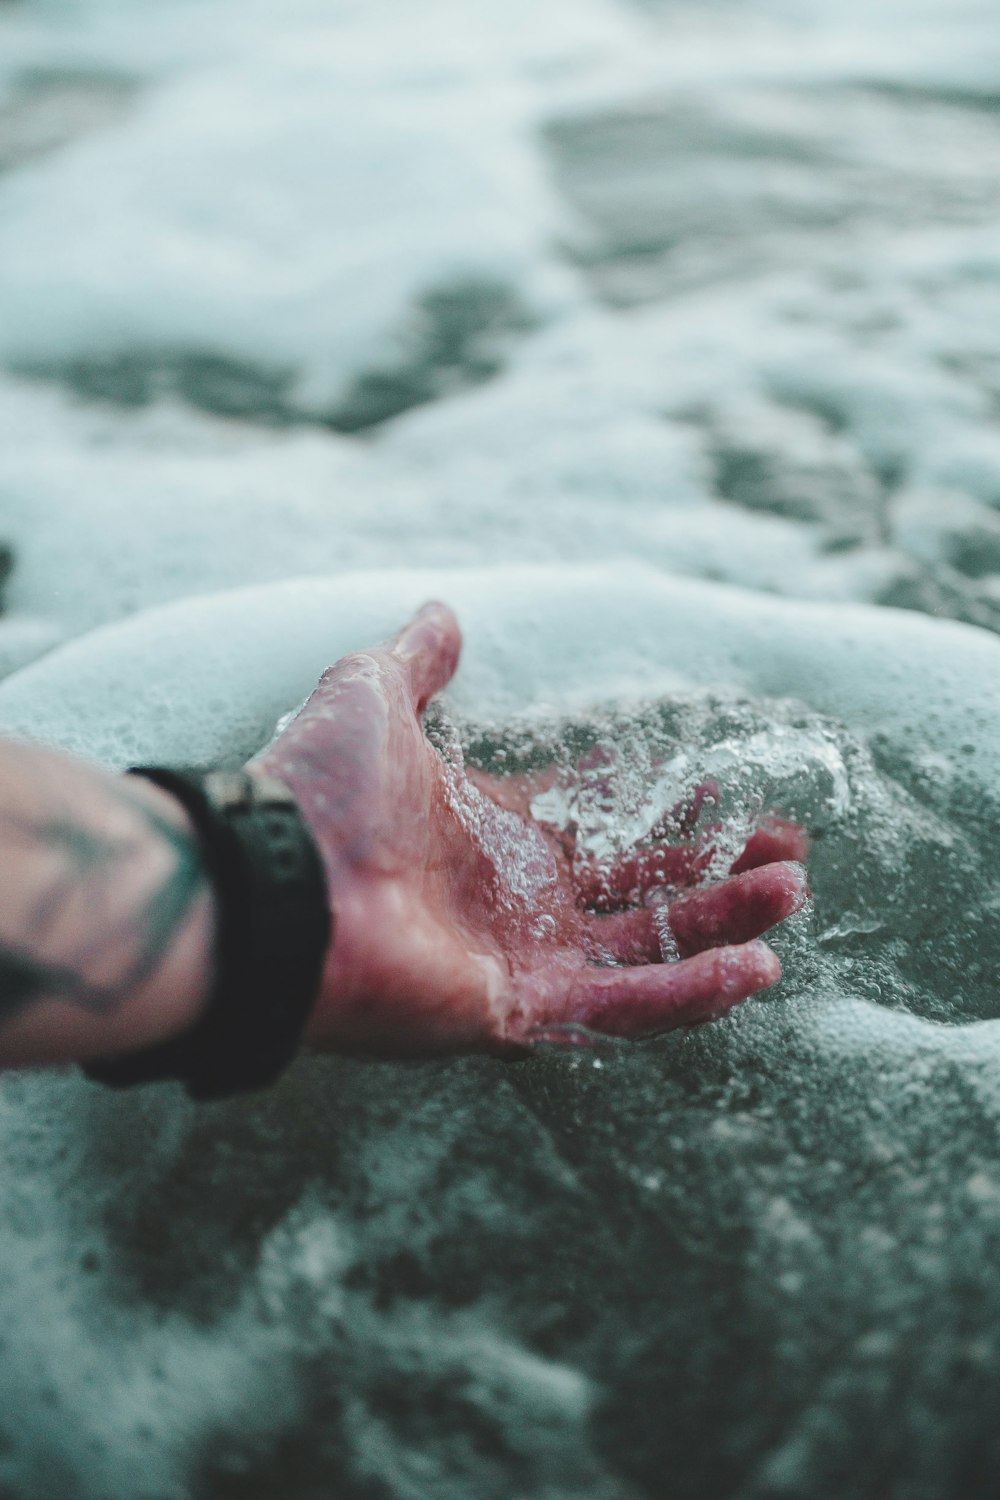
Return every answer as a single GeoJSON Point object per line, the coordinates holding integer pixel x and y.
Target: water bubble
{"type": "Point", "coordinates": [658, 903]}
{"type": "Point", "coordinates": [544, 927]}
{"type": "Point", "coordinates": [850, 924]}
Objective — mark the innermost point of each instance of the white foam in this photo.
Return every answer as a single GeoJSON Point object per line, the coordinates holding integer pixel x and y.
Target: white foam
{"type": "Point", "coordinates": [351, 188]}
{"type": "Point", "coordinates": [208, 678]}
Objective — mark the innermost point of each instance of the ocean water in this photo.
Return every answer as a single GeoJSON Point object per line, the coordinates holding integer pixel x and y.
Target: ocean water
{"type": "Point", "coordinates": [662, 340]}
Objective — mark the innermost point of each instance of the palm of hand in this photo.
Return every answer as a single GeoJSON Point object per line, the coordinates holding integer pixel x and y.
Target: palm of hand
{"type": "Point", "coordinates": [462, 924]}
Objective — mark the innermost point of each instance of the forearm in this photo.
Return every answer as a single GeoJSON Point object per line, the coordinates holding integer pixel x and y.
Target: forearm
{"type": "Point", "coordinates": [106, 915]}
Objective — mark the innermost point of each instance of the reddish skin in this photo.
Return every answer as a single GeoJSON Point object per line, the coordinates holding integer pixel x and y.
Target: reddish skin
{"type": "Point", "coordinates": [433, 953]}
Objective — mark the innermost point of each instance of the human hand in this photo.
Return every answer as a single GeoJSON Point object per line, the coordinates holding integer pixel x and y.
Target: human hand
{"type": "Point", "coordinates": [462, 924]}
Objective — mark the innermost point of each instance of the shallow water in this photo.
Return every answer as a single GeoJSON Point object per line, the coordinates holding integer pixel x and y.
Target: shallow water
{"type": "Point", "coordinates": [661, 339]}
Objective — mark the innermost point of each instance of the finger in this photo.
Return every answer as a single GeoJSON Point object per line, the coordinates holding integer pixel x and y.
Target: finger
{"type": "Point", "coordinates": [625, 937]}
{"type": "Point", "coordinates": [607, 885]}
{"type": "Point", "coordinates": [776, 839]}
{"type": "Point", "coordinates": [659, 997]}
{"type": "Point", "coordinates": [429, 648]}
{"type": "Point", "coordinates": [736, 911]}
{"type": "Point", "coordinates": [604, 885]}
{"type": "Point", "coordinates": [739, 909]}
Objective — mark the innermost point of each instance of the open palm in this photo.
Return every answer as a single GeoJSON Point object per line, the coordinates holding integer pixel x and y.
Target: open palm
{"type": "Point", "coordinates": [464, 924]}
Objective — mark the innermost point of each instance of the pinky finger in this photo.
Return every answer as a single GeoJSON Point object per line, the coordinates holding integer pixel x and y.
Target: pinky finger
{"type": "Point", "coordinates": [642, 1001]}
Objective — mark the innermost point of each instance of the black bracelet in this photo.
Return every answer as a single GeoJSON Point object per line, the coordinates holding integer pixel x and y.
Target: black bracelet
{"type": "Point", "coordinates": [273, 929]}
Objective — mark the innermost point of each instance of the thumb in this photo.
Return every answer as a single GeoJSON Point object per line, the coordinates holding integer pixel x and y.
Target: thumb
{"type": "Point", "coordinates": [428, 648]}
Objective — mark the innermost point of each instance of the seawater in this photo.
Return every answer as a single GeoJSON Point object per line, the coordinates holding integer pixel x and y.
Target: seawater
{"type": "Point", "coordinates": [661, 339]}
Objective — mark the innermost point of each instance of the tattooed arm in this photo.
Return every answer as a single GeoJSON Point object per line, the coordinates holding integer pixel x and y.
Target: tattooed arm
{"type": "Point", "coordinates": [106, 919]}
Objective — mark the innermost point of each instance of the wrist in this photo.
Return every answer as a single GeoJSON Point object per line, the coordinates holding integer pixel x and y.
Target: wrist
{"type": "Point", "coordinates": [271, 934]}
{"type": "Point", "coordinates": [178, 993]}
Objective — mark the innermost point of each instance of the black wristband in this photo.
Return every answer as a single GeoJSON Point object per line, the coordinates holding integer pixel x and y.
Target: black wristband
{"type": "Point", "coordinates": [273, 929]}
